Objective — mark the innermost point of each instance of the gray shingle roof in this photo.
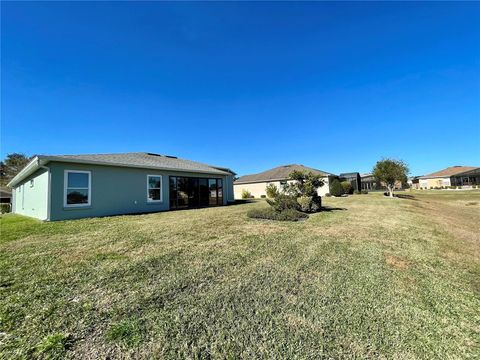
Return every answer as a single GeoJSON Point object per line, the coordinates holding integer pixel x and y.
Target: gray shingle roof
{"type": "Point", "coordinates": [278, 173]}
{"type": "Point", "coordinates": [141, 159]}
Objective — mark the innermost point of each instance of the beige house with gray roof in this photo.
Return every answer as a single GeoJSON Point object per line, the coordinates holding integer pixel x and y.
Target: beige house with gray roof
{"type": "Point", "coordinates": [256, 183]}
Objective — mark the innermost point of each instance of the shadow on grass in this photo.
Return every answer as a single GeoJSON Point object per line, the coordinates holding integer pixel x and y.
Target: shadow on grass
{"type": "Point", "coordinates": [405, 196]}
{"type": "Point", "coordinates": [329, 208]}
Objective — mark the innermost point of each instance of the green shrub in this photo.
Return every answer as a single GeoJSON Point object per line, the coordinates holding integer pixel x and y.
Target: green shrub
{"type": "Point", "coordinates": [328, 195]}
{"type": "Point", "coordinates": [452, 187]}
{"type": "Point", "coordinates": [347, 187]}
{"type": "Point", "coordinates": [305, 183]}
{"type": "Point", "coordinates": [271, 214]}
{"type": "Point", "coordinates": [246, 194]}
{"type": "Point", "coordinates": [5, 208]}
{"type": "Point", "coordinates": [271, 190]}
{"type": "Point", "coordinates": [365, 192]}
{"type": "Point", "coordinates": [263, 196]}
{"type": "Point", "coordinates": [310, 204]}
{"type": "Point", "coordinates": [336, 189]}
{"type": "Point", "coordinates": [356, 192]}
{"type": "Point", "coordinates": [283, 202]}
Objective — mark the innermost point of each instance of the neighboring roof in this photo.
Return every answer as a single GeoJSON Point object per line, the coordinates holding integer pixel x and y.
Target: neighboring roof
{"type": "Point", "coordinates": [5, 192]}
{"type": "Point", "coordinates": [451, 171]}
{"type": "Point", "coordinates": [366, 175]}
{"type": "Point", "coordinates": [278, 173]}
{"type": "Point", "coordinates": [351, 174]}
{"type": "Point", "coordinates": [135, 160]}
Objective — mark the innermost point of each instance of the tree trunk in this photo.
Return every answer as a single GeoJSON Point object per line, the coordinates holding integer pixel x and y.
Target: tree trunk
{"type": "Point", "coordinates": [390, 191]}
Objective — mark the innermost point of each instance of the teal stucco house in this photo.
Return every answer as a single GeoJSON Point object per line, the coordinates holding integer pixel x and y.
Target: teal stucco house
{"type": "Point", "coordinates": [64, 187]}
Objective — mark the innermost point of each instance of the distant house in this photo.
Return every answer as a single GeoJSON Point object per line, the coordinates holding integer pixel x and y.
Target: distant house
{"type": "Point", "coordinates": [452, 176]}
{"type": "Point", "coordinates": [368, 182]}
{"type": "Point", "coordinates": [353, 178]}
{"type": "Point", "coordinates": [77, 186]}
{"type": "Point", "coordinates": [256, 183]}
{"type": "Point", "coordinates": [414, 182]}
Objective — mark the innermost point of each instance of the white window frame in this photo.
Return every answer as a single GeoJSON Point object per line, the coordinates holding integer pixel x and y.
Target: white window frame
{"type": "Point", "coordinates": [148, 188]}
{"type": "Point", "coordinates": [65, 187]}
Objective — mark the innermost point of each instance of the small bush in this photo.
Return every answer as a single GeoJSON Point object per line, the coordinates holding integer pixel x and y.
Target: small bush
{"type": "Point", "coordinates": [365, 192]}
{"type": "Point", "coordinates": [452, 187]}
{"type": "Point", "coordinates": [356, 192]}
{"type": "Point", "coordinates": [336, 189]}
{"type": "Point", "coordinates": [283, 202]}
{"type": "Point", "coordinates": [310, 204]}
{"type": "Point", "coordinates": [272, 191]}
{"type": "Point", "coordinates": [246, 194]}
{"type": "Point", "coordinates": [271, 214]}
{"type": "Point", "coordinates": [347, 187]}
{"type": "Point", "coordinates": [263, 196]}
{"type": "Point", "coordinates": [328, 195]}
{"type": "Point", "coordinates": [5, 208]}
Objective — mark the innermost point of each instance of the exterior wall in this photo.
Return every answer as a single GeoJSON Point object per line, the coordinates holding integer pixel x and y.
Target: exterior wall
{"type": "Point", "coordinates": [31, 199]}
{"type": "Point", "coordinates": [229, 192]}
{"type": "Point", "coordinates": [434, 182]}
{"type": "Point", "coordinates": [115, 190]}
{"type": "Point", "coordinates": [258, 189]}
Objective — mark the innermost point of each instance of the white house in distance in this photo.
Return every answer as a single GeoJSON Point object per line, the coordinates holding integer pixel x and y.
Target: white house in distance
{"type": "Point", "coordinates": [256, 183]}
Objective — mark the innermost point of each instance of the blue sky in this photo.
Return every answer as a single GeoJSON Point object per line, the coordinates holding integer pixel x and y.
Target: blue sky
{"type": "Point", "coordinates": [251, 86]}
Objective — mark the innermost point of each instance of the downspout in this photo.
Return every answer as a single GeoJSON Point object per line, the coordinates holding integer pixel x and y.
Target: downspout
{"type": "Point", "coordinates": [49, 194]}
{"type": "Point", "coordinates": [14, 199]}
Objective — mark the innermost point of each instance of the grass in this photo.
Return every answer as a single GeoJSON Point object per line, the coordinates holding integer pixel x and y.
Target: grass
{"type": "Point", "coordinates": [268, 213]}
{"type": "Point", "coordinates": [376, 278]}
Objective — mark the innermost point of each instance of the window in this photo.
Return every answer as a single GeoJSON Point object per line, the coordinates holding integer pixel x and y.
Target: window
{"type": "Point", "coordinates": [154, 188]}
{"type": "Point", "coordinates": [77, 188]}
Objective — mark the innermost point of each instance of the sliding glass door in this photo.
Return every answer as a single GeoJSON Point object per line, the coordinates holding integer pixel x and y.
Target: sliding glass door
{"type": "Point", "coordinates": [191, 192]}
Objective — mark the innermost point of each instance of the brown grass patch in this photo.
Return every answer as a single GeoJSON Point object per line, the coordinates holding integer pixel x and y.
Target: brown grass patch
{"type": "Point", "coordinates": [397, 262]}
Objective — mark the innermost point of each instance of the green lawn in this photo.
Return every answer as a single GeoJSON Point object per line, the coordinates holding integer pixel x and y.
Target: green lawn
{"type": "Point", "coordinates": [382, 278]}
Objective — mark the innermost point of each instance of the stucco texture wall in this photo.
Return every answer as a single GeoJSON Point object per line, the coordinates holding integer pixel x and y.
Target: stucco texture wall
{"type": "Point", "coordinates": [434, 182]}
{"type": "Point", "coordinates": [31, 196]}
